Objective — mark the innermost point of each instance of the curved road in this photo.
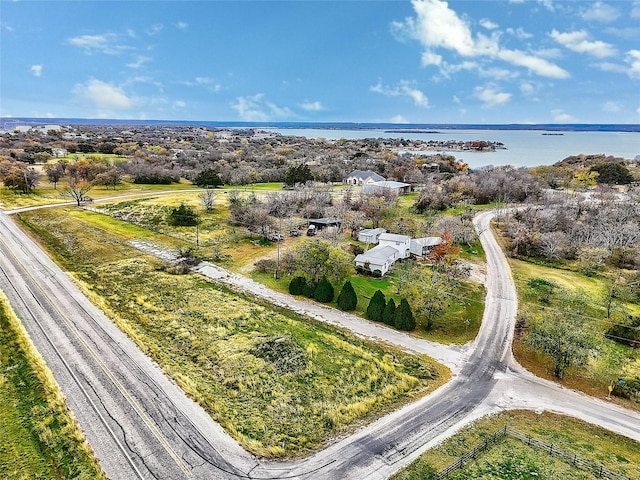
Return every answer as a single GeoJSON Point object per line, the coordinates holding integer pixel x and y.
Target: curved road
{"type": "Point", "coordinates": [141, 425]}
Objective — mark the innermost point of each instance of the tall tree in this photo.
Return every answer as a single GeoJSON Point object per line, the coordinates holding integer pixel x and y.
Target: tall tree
{"type": "Point", "coordinates": [389, 313]}
{"type": "Point", "coordinates": [404, 317]}
{"type": "Point", "coordinates": [347, 299]}
{"type": "Point", "coordinates": [324, 291]}
{"type": "Point", "coordinates": [564, 338]}
{"type": "Point", "coordinates": [376, 306]}
{"type": "Point", "coordinates": [55, 171]}
{"type": "Point", "coordinates": [316, 258]}
{"type": "Point", "coordinates": [295, 174]}
{"type": "Point", "coordinates": [77, 189]}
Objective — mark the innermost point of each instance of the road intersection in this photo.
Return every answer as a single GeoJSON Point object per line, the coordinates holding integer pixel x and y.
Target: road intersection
{"type": "Point", "coordinates": [141, 425]}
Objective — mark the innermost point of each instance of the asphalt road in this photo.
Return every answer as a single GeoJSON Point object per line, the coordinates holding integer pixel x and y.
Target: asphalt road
{"type": "Point", "coordinates": [141, 425]}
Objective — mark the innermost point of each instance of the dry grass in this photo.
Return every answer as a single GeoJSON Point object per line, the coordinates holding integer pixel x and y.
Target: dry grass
{"type": "Point", "coordinates": [281, 384]}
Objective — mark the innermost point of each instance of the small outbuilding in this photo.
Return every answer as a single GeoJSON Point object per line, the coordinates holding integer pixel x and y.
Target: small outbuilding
{"type": "Point", "coordinates": [370, 235]}
{"type": "Point", "coordinates": [422, 247]}
{"type": "Point", "coordinates": [399, 188]}
{"type": "Point", "coordinates": [318, 224]}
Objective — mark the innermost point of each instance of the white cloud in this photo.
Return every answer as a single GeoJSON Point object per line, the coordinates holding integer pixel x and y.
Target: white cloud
{"type": "Point", "coordinates": [490, 97]}
{"type": "Point", "coordinates": [437, 26]}
{"type": "Point", "coordinates": [600, 12]}
{"type": "Point", "coordinates": [633, 59]}
{"type": "Point", "coordinates": [561, 116]}
{"type": "Point", "coordinates": [535, 64]}
{"type": "Point", "coordinates": [182, 25]}
{"type": "Point", "coordinates": [208, 82]}
{"type": "Point", "coordinates": [430, 58]}
{"type": "Point", "coordinates": [611, 107]}
{"type": "Point", "coordinates": [635, 10]}
{"type": "Point", "coordinates": [104, 95]}
{"type": "Point", "coordinates": [256, 109]}
{"type": "Point", "coordinates": [548, 4]}
{"type": "Point", "coordinates": [179, 104]}
{"type": "Point", "coordinates": [138, 62]}
{"type": "Point", "coordinates": [527, 88]}
{"type": "Point", "coordinates": [520, 33]}
{"type": "Point", "coordinates": [577, 41]}
{"type": "Point", "coordinates": [488, 24]}
{"type": "Point", "coordinates": [107, 43]}
{"type": "Point", "coordinates": [36, 70]}
{"type": "Point", "coordinates": [312, 106]}
{"type": "Point", "coordinates": [403, 89]}
{"type": "Point", "coordinates": [154, 29]}
{"type": "Point", "coordinates": [398, 119]}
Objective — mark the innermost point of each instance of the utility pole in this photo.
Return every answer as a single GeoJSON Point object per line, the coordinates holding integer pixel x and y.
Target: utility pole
{"type": "Point", "coordinates": [275, 275]}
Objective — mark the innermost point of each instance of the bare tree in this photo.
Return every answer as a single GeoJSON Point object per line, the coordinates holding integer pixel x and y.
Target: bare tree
{"type": "Point", "coordinates": [207, 199]}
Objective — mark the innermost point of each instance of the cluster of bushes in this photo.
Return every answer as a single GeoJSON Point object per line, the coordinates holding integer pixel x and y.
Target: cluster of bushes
{"type": "Point", "coordinates": [381, 310]}
{"type": "Point", "coordinates": [324, 292]}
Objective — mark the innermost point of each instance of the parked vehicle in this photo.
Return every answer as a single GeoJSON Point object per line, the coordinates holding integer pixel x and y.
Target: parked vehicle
{"type": "Point", "coordinates": [311, 231]}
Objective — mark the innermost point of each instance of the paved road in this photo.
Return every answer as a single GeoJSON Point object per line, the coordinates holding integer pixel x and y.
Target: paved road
{"type": "Point", "coordinates": [142, 426]}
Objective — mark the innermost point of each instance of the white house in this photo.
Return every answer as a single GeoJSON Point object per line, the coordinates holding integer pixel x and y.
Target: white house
{"type": "Point", "coordinates": [402, 243]}
{"type": "Point", "coordinates": [380, 257]}
{"type": "Point", "coordinates": [362, 177]}
{"type": "Point", "coordinates": [370, 235]}
{"type": "Point", "coordinates": [376, 187]}
{"type": "Point", "coordinates": [59, 152]}
{"type": "Point", "coordinates": [423, 246]}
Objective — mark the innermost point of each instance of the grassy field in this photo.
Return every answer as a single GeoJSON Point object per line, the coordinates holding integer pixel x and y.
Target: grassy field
{"type": "Point", "coordinates": [280, 384]}
{"type": "Point", "coordinates": [39, 439]}
{"type": "Point", "coordinates": [612, 360]}
{"type": "Point", "coordinates": [47, 194]}
{"type": "Point", "coordinates": [514, 460]}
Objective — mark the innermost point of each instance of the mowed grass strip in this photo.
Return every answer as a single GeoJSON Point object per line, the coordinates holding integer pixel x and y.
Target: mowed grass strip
{"type": "Point", "coordinates": [280, 384]}
{"type": "Point", "coordinates": [38, 436]}
{"type": "Point", "coordinates": [515, 460]}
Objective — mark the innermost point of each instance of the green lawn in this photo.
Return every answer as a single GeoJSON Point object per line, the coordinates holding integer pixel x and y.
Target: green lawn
{"type": "Point", "coordinates": [38, 436]}
{"type": "Point", "coordinates": [457, 325]}
{"type": "Point", "coordinates": [282, 385]}
{"type": "Point", "coordinates": [514, 460]}
{"type": "Point", "coordinates": [611, 360]}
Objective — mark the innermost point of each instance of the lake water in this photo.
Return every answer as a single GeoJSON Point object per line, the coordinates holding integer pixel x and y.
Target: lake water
{"type": "Point", "coordinates": [527, 148]}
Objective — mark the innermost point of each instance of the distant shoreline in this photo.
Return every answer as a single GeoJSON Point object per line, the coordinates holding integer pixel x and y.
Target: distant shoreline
{"type": "Point", "coordinates": [7, 123]}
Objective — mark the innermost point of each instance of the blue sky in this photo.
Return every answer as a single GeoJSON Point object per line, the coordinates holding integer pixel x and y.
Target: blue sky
{"type": "Point", "coordinates": [427, 61]}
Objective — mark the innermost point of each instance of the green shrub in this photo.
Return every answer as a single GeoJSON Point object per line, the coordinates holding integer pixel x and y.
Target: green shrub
{"type": "Point", "coordinates": [324, 291]}
{"type": "Point", "coordinates": [347, 300]}
{"type": "Point", "coordinates": [376, 306]}
{"type": "Point", "coordinates": [404, 316]}
{"type": "Point", "coordinates": [208, 178]}
{"type": "Point", "coordinates": [308, 290]}
{"type": "Point", "coordinates": [389, 312]}
{"type": "Point", "coordinates": [183, 216]}
{"type": "Point", "coordinates": [296, 286]}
